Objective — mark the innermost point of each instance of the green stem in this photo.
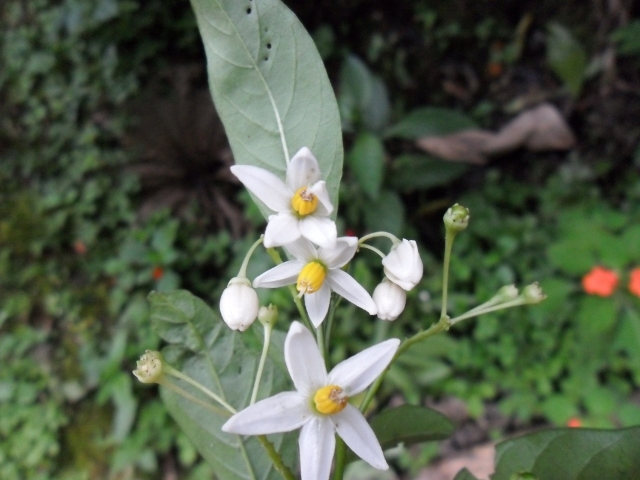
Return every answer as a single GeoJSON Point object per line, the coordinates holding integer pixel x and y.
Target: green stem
{"type": "Point", "coordinates": [178, 374]}
{"type": "Point", "coordinates": [245, 262]}
{"type": "Point", "coordinates": [320, 339]}
{"type": "Point", "coordinates": [275, 457]}
{"type": "Point", "coordinates": [475, 312]}
{"type": "Point", "coordinates": [335, 301]}
{"type": "Point", "coordinates": [341, 455]}
{"type": "Point", "coordinates": [374, 249]}
{"type": "Point", "coordinates": [448, 244]}
{"type": "Point", "coordinates": [390, 236]}
{"type": "Point", "coordinates": [164, 382]}
{"type": "Point", "coordinates": [438, 327]}
{"type": "Point", "coordinates": [265, 348]}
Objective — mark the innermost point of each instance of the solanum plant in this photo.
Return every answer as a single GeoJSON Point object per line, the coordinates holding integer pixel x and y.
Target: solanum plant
{"type": "Point", "coordinates": [280, 114]}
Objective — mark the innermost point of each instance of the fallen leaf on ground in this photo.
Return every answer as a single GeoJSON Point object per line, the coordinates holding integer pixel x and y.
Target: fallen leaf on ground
{"type": "Point", "coordinates": [538, 129]}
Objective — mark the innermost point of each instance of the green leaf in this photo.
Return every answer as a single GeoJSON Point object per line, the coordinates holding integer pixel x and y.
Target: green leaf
{"type": "Point", "coordinates": [366, 161]}
{"type": "Point", "coordinates": [410, 424]}
{"type": "Point", "coordinates": [627, 38]}
{"type": "Point", "coordinates": [465, 474]}
{"type": "Point", "coordinates": [204, 348]}
{"type": "Point", "coordinates": [596, 316]}
{"type": "Point", "coordinates": [269, 86]}
{"type": "Point", "coordinates": [385, 213]}
{"type": "Point", "coordinates": [566, 57]}
{"type": "Point", "coordinates": [421, 172]}
{"type": "Point", "coordinates": [571, 454]}
{"type": "Point", "coordinates": [430, 122]}
{"type": "Point", "coordinates": [363, 98]}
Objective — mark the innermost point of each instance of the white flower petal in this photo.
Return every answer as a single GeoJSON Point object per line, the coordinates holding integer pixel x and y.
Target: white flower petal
{"type": "Point", "coordinates": [320, 230]}
{"type": "Point", "coordinates": [317, 443]}
{"type": "Point", "coordinates": [284, 274]}
{"type": "Point", "coordinates": [265, 185]}
{"type": "Point", "coordinates": [303, 359]}
{"type": "Point", "coordinates": [318, 304]}
{"type": "Point", "coordinates": [283, 412]}
{"type": "Point", "coordinates": [358, 372]}
{"type": "Point", "coordinates": [319, 189]}
{"type": "Point", "coordinates": [303, 170]}
{"type": "Point", "coordinates": [338, 256]}
{"type": "Point", "coordinates": [345, 285]}
{"type": "Point", "coordinates": [282, 228]}
{"type": "Point", "coordinates": [302, 250]}
{"type": "Point", "coordinates": [359, 437]}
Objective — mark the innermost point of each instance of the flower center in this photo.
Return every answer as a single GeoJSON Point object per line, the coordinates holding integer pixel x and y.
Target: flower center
{"type": "Point", "coordinates": [311, 277]}
{"type": "Point", "coordinates": [330, 399]}
{"type": "Point", "coordinates": [304, 202]}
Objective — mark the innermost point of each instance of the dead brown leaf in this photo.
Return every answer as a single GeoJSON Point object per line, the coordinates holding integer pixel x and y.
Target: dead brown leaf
{"type": "Point", "coordinates": [538, 129]}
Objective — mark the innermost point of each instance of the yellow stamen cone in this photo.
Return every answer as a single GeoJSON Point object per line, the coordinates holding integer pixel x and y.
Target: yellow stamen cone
{"type": "Point", "coordinates": [304, 202]}
{"type": "Point", "coordinates": [330, 399]}
{"type": "Point", "coordinates": [311, 277]}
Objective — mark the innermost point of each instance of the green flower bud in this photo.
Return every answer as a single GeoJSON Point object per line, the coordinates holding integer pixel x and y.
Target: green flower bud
{"type": "Point", "coordinates": [506, 294]}
{"type": "Point", "coordinates": [533, 293]}
{"type": "Point", "coordinates": [268, 316]}
{"type": "Point", "coordinates": [456, 219]}
{"type": "Point", "coordinates": [149, 367]}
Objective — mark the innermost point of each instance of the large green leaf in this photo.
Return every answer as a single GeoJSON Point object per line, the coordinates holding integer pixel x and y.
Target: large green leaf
{"type": "Point", "coordinates": [410, 424]}
{"type": "Point", "coordinates": [366, 161]}
{"type": "Point", "coordinates": [567, 57]}
{"type": "Point", "coordinates": [269, 86]}
{"type": "Point", "coordinates": [571, 454]}
{"type": "Point", "coordinates": [430, 122]}
{"type": "Point", "coordinates": [204, 348]}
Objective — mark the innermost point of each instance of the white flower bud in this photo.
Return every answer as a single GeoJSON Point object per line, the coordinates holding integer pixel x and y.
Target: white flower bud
{"type": "Point", "coordinates": [506, 294]}
{"type": "Point", "coordinates": [239, 304]}
{"type": "Point", "coordinates": [403, 265]}
{"type": "Point", "coordinates": [456, 219]}
{"type": "Point", "coordinates": [390, 300]}
{"type": "Point", "coordinates": [149, 367]}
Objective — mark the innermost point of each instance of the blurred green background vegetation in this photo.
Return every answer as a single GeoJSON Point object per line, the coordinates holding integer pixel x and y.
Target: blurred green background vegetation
{"type": "Point", "coordinates": [115, 182]}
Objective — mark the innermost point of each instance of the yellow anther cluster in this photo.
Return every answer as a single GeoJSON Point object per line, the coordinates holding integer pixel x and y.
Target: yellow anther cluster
{"type": "Point", "coordinates": [330, 399]}
{"type": "Point", "coordinates": [304, 202]}
{"type": "Point", "coordinates": [311, 277]}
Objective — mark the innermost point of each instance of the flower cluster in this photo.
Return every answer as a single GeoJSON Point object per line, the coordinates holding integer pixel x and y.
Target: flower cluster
{"type": "Point", "coordinates": [603, 282]}
{"type": "Point", "coordinates": [320, 405]}
{"type": "Point", "coordinates": [302, 226]}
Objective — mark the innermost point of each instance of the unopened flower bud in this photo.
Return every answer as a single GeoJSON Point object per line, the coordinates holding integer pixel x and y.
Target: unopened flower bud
{"type": "Point", "coordinates": [149, 367]}
{"type": "Point", "coordinates": [533, 293]}
{"type": "Point", "coordinates": [239, 304]}
{"type": "Point", "coordinates": [456, 219]}
{"type": "Point", "coordinates": [403, 265]}
{"type": "Point", "coordinates": [506, 294]}
{"type": "Point", "coordinates": [390, 300]}
{"type": "Point", "coordinates": [268, 315]}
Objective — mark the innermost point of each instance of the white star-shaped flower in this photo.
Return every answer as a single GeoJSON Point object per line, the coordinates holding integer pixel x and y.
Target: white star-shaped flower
{"type": "Point", "coordinates": [302, 203]}
{"type": "Point", "coordinates": [320, 405]}
{"type": "Point", "coordinates": [316, 272]}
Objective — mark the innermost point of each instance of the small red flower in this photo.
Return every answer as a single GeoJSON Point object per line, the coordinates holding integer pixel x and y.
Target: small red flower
{"type": "Point", "coordinates": [574, 422]}
{"type": "Point", "coordinates": [350, 232]}
{"type": "Point", "coordinates": [157, 273]}
{"type": "Point", "coordinates": [634, 281]}
{"type": "Point", "coordinates": [600, 281]}
{"type": "Point", "coordinates": [79, 247]}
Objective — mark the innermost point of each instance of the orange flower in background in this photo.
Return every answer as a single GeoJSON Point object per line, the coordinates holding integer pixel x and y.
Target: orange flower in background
{"type": "Point", "coordinates": [574, 422]}
{"type": "Point", "coordinates": [634, 281]}
{"type": "Point", "coordinates": [600, 281]}
{"type": "Point", "coordinates": [157, 273]}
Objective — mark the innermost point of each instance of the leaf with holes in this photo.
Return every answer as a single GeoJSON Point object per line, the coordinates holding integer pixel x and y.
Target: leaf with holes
{"type": "Point", "coordinates": [205, 349]}
{"type": "Point", "coordinates": [269, 86]}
